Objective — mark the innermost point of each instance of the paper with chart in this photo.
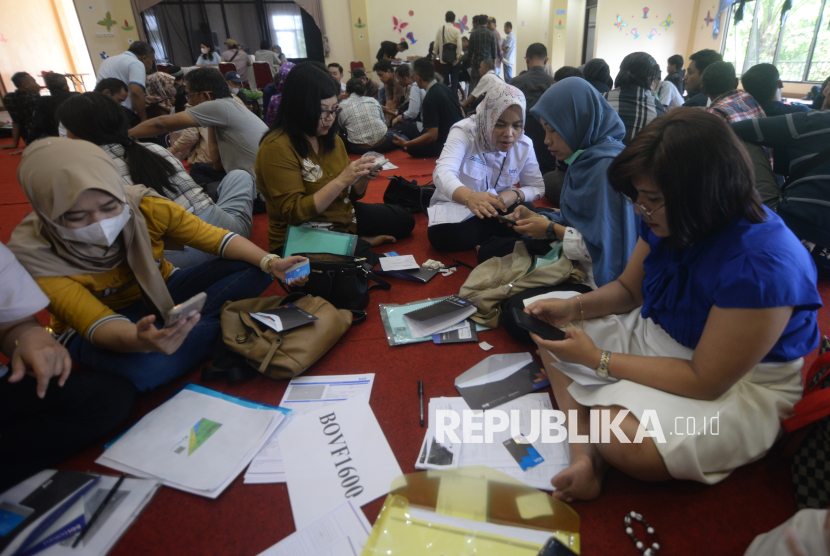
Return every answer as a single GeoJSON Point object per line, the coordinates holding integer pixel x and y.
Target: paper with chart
{"type": "Point", "coordinates": [446, 455]}
{"type": "Point", "coordinates": [304, 394]}
{"type": "Point", "coordinates": [342, 532]}
{"type": "Point", "coordinates": [194, 441]}
{"type": "Point", "coordinates": [334, 454]}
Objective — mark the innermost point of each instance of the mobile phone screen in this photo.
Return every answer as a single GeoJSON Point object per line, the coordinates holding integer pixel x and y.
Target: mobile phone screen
{"type": "Point", "coordinates": [537, 326]}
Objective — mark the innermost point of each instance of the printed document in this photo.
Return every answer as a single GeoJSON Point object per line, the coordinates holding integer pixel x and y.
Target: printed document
{"type": "Point", "coordinates": [342, 532]}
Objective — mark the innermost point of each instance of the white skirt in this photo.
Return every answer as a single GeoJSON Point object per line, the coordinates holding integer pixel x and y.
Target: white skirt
{"type": "Point", "coordinates": [748, 415]}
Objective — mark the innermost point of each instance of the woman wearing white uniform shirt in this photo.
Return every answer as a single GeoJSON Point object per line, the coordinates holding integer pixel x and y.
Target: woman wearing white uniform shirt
{"type": "Point", "coordinates": [476, 176]}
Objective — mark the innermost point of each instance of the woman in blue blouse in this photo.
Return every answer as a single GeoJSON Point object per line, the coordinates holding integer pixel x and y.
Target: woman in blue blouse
{"type": "Point", "coordinates": [701, 339]}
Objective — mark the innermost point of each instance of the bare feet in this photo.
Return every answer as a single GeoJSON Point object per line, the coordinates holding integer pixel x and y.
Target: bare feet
{"type": "Point", "coordinates": [583, 479]}
{"type": "Point", "coordinates": [375, 241]}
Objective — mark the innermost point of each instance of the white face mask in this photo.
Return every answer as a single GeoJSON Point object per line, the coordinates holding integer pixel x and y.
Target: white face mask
{"type": "Point", "coordinates": [205, 50]}
{"type": "Point", "coordinates": [100, 233]}
{"type": "Point", "coordinates": [234, 90]}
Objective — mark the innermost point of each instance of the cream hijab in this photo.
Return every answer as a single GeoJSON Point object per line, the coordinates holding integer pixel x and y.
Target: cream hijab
{"type": "Point", "coordinates": [53, 173]}
{"type": "Point", "coordinates": [499, 98]}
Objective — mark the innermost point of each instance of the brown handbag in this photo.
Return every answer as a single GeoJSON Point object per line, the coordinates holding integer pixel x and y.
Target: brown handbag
{"type": "Point", "coordinates": [284, 354]}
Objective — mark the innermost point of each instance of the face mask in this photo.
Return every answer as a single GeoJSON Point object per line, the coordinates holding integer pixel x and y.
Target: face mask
{"type": "Point", "coordinates": [234, 90]}
{"type": "Point", "coordinates": [205, 50]}
{"type": "Point", "coordinates": [100, 233]}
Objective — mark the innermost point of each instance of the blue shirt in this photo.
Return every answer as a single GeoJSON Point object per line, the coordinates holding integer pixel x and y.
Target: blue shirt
{"type": "Point", "coordinates": [778, 108]}
{"type": "Point", "coordinates": [747, 266]}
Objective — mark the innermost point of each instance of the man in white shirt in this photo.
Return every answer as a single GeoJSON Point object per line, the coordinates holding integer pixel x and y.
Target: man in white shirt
{"type": "Point", "coordinates": [508, 45]}
{"type": "Point", "coordinates": [45, 414]}
{"type": "Point", "coordinates": [131, 67]}
{"type": "Point", "coordinates": [336, 71]}
{"type": "Point", "coordinates": [488, 79]}
{"type": "Point", "coordinates": [449, 35]}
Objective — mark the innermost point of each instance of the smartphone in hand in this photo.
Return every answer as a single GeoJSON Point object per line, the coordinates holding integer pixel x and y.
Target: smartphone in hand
{"type": "Point", "coordinates": [185, 310]}
{"type": "Point", "coordinates": [538, 326]}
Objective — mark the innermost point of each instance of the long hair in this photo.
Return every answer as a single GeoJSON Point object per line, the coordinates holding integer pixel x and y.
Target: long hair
{"type": "Point", "coordinates": [99, 119]}
{"type": "Point", "coordinates": [298, 115]}
{"type": "Point", "coordinates": [700, 166]}
{"type": "Point", "coordinates": [207, 57]}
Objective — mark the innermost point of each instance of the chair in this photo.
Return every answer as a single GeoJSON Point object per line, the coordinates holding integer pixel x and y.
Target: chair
{"type": "Point", "coordinates": [355, 65]}
{"type": "Point", "coordinates": [225, 67]}
{"type": "Point", "coordinates": [262, 74]}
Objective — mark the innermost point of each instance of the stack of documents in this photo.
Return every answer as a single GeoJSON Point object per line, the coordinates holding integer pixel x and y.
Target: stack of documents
{"type": "Point", "coordinates": [285, 317]}
{"type": "Point", "coordinates": [304, 394]}
{"type": "Point", "coordinates": [198, 441]}
{"type": "Point", "coordinates": [439, 316]}
{"type": "Point", "coordinates": [54, 534]}
{"type": "Point", "coordinates": [500, 378]}
{"type": "Point", "coordinates": [341, 532]}
{"type": "Point", "coordinates": [449, 454]}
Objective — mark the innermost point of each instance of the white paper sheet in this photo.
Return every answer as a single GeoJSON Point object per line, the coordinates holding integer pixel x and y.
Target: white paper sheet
{"type": "Point", "coordinates": [494, 454]}
{"type": "Point", "coordinates": [401, 262]}
{"type": "Point", "coordinates": [448, 213]}
{"type": "Point", "coordinates": [304, 394]}
{"type": "Point", "coordinates": [195, 442]}
{"type": "Point", "coordinates": [550, 295]}
{"type": "Point", "coordinates": [342, 532]}
{"type": "Point", "coordinates": [329, 453]}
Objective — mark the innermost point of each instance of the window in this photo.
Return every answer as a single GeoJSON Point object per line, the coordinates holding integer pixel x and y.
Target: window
{"type": "Point", "coordinates": [151, 26]}
{"type": "Point", "coordinates": [799, 47]}
{"type": "Point", "coordinates": [287, 26]}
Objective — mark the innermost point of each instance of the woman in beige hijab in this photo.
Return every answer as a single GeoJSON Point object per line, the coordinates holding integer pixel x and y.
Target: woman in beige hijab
{"type": "Point", "coordinates": [95, 247]}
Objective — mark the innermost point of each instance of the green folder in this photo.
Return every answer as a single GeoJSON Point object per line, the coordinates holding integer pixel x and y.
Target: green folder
{"type": "Point", "coordinates": [318, 240]}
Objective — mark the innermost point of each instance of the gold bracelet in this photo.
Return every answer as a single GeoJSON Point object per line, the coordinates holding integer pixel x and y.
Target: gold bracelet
{"type": "Point", "coordinates": [581, 313]}
{"type": "Point", "coordinates": [602, 370]}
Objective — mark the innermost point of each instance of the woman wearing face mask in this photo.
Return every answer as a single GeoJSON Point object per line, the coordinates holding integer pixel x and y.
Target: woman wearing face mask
{"type": "Point", "coordinates": [208, 56]}
{"type": "Point", "coordinates": [304, 173]}
{"type": "Point", "coordinates": [711, 318]}
{"type": "Point", "coordinates": [476, 176]}
{"type": "Point", "coordinates": [95, 248]}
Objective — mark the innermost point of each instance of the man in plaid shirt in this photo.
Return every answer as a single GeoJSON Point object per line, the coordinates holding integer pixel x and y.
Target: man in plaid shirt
{"type": "Point", "coordinates": [720, 85]}
{"type": "Point", "coordinates": [482, 47]}
{"type": "Point", "coordinates": [21, 106]}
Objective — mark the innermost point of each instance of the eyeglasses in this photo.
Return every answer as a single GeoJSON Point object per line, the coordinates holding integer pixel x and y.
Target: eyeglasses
{"type": "Point", "coordinates": [325, 114]}
{"type": "Point", "coordinates": [196, 93]}
{"type": "Point", "coordinates": [646, 213]}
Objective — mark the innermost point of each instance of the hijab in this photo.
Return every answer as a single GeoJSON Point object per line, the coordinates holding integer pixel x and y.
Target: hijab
{"type": "Point", "coordinates": [598, 74]}
{"type": "Point", "coordinates": [53, 173]}
{"type": "Point", "coordinates": [606, 221]}
{"type": "Point", "coordinates": [499, 98]}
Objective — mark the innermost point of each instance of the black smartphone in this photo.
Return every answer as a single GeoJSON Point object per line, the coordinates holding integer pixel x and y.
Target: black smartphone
{"type": "Point", "coordinates": [505, 219]}
{"type": "Point", "coordinates": [537, 326]}
{"type": "Point", "coordinates": [554, 547]}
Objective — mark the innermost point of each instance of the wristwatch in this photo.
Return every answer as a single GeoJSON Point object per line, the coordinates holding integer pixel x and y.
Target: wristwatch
{"type": "Point", "coordinates": [602, 370]}
{"type": "Point", "coordinates": [265, 263]}
{"type": "Point", "coordinates": [550, 233]}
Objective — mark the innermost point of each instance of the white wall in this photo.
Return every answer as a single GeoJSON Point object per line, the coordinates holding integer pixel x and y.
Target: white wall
{"type": "Point", "coordinates": [530, 26]}
{"type": "Point", "coordinates": [614, 44]}
{"type": "Point", "coordinates": [337, 16]}
{"type": "Point", "coordinates": [576, 32]}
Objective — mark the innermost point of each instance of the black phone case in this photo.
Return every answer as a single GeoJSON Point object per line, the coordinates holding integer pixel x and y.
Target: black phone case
{"type": "Point", "coordinates": [538, 327]}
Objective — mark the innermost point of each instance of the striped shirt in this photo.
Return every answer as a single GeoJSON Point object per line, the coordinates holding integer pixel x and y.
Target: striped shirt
{"type": "Point", "coordinates": [362, 117]}
{"type": "Point", "coordinates": [636, 107]}
{"type": "Point", "coordinates": [188, 194]}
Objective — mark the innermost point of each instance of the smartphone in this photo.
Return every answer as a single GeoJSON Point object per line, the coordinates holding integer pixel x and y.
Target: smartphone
{"type": "Point", "coordinates": [537, 326]}
{"type": "Point", "coordinates": [555, 548]}
{"type": "Point", "coordinates": [185, 310]}
{"type": "Point", "coordinates": [302, 268]}
{"type": "Point", "coordinates": [505, 219]}
{"type": "Point", "coordinates": [379, 165]}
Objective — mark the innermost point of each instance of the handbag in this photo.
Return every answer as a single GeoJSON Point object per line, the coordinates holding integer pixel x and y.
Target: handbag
{"type": "Point", "coordinates": [341, 280]}
{"type": "Point", "coordinates": [449, 52]}
{"type": "Point", "coordinates": [808, 439]}
{"type": "Point", "coordinates": [496, 279]}
{"type": "Point", "coordinates": [274, 354]}
{"type": "Point", "coordinates": [408, 195]}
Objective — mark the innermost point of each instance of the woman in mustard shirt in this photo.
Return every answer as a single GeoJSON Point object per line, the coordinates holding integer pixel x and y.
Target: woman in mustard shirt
{"type": "Point", "coordinates": [95, 248]}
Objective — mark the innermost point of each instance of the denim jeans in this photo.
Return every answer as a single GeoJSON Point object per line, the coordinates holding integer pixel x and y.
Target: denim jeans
{"type": "Point", "coordinates": [222, 280]}
{"type": "Point", "coordinates": [232, 212]}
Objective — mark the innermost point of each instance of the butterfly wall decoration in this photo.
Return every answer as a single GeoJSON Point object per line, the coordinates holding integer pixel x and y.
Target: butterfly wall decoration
{"type": "Point", "coordinates": [620, 23]}
{"type": "Point", "coordinates": [667, 23]}
{"type": "Point", "coordinates": [462, 24]}
{"type": "Point", "coordinates": [398, 26]}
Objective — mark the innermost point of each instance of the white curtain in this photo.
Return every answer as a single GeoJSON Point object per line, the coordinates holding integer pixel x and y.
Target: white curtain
{"type": "Point", "coordinates": [286, 25]}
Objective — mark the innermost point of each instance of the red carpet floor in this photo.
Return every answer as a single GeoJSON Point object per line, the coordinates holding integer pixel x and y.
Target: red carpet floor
{"type": "Point", "coordinates": [246, 519]}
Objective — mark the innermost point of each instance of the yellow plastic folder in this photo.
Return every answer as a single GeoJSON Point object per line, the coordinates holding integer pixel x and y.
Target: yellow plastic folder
{"type": "Point", "coordinates": [469, 510]}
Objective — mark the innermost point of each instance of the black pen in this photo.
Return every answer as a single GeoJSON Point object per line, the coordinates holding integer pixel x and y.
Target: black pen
{"type": "Point", "coordinates": [464, 264]}
{"type": "Point", "coordinates": [421, 396]}
{"type": "Point", "coordinates": [100, 509]}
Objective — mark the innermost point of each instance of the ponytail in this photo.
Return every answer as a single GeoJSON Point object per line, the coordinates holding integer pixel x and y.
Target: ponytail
{"type": "Point", "coordinates": [99, 119]}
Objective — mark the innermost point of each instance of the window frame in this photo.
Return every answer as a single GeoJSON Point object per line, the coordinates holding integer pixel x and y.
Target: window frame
{"type": "Point", "coordinates": [809, 62]}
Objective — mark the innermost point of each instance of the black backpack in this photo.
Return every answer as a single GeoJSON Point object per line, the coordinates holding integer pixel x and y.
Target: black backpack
{"type": "Point", "coordinates": [805, 201]}
{"type": "Point", "coordinates": [409, 195]}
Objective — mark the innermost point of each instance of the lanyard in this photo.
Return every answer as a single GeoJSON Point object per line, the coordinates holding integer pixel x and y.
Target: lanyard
{"type": "Point", "coordinates": [498, 176]}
